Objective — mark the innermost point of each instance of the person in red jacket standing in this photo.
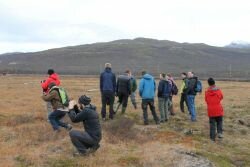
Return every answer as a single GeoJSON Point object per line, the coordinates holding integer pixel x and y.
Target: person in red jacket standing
{"type": "Point", "coordinates": [213, 97]}
{"type": "Point", "coordinates": [52, 78]}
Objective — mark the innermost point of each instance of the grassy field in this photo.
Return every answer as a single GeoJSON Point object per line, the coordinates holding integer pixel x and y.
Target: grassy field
{"type": "Point", "coordinates": [26, 138]}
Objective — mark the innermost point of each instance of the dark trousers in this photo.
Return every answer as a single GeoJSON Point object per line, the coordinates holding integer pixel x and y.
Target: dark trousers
{"type": "Point", "coordinates": [171, 105]}
{"type": "Point", "coordinates": [182, 100]}
{"type": "Point", "coordinates": [215, 122]}
{"type": "Point", "coordinates": [108, 98]}
{"type": "Point", "coordinates": [145, 104]}
{"type": "Point", "coordinates": [55, 119]}
{"type": "Point", "coordinates": [82, 140]}
{"type": "Point", "coordinates": [123, 99]}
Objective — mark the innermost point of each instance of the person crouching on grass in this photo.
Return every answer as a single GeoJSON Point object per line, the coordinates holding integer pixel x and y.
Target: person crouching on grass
{"type": "Point", "coordinates": [59, 110]}
{"type": "Point", "coordinates": [87, 141]}
{"type": "Point", "coordinates": [213, 98]}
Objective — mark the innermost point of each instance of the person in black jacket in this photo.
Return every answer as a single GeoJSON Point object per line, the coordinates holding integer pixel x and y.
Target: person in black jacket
{"type": "Point", "coordinates": [123, 90]}
{"type": "Point", "coordinates": [164, 91]}
{"type": "Point", "coordinates": [87, 141]}
{"type": "Point", "coordinates": [191, 93]}
{"type": "Point", "coordinates": [107, 88]}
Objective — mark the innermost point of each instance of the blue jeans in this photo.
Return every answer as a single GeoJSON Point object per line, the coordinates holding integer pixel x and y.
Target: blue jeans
{"type": "Point", "coordinates": [55, 118]}
{"type": "Point", "coordinates": [191, 106]}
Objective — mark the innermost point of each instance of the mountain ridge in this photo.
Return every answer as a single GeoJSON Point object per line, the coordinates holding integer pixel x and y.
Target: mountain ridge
{"type": "Point", "coordinates": [140, 53]}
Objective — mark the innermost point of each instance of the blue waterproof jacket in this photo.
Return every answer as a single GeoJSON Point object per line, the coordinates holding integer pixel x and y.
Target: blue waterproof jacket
{"type": "Point", "coordinates": [147, 87]}
{"type": "Point", "coordinates": [107, 81]}
{"type": "Point", "coordinates": [164, 89]}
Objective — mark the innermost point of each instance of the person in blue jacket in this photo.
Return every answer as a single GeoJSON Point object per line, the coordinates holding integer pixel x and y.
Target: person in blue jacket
{"type": "Point", "coordinates": [147, 89]}
{"type": "Point", "coordinates": [107, 88]}
{"type": "Point", "coordinates": [164, 91]}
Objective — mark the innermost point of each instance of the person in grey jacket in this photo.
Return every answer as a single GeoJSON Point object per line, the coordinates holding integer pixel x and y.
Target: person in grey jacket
{"type": "Point", "coordinates": [85, 141]}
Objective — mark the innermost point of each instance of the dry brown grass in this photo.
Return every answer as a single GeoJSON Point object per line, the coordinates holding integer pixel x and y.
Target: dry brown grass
{"type": "Point", "coordinates": [26, 138]}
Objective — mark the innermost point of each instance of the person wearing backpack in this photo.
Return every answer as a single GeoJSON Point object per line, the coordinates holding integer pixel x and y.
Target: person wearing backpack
{"type": "Point", "coordinates": [107, 88]}
{"type": "Point", "coordinates": [174, 91]}
{"type": "Point", "coordinates": [123, 90]}
{"type": "Point", "coordinates": [59, 109]}
{"type": "Point", "coordinates": [183, 91]}
{"type": "Point", "coordinates": [133, 89]}
{"type": "Point", "coordinates": [191, 93]}
{"type": "Point", "coordinates": [147, 89]}
{"type": "Point", "coordinates": [164, 91]}
{"type": "Point", "coordinates": [213, 98]}
{"type": "Point", "coordinates": [87, 141]}
{"type": "Point", "coordinates": [53, 77]}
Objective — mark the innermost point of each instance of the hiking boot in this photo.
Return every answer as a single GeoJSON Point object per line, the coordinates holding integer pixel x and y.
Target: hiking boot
{"type": "Point", "coordinates": [220, 135]}
{"type": "Point", "coordinates": [123, 110]}
{"type": "Point", "coordinates": [157, 122]}
{"type": "Point", "coordinates": [145, 123]}
{"type": "Point", "coordinates": [69, 127]}
{"type": "Point", "coordinates": [78, 154]}
{"type": "Point", "coordinates": [93, 149]}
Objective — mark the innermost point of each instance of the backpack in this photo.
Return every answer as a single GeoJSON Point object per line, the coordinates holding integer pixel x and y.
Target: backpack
{"type": "Point", "coordinates": [63, 95]}
{"type": "Point", "coordinates": [174, 89]}
{"type": "Point", "coordinates": [198, 86]}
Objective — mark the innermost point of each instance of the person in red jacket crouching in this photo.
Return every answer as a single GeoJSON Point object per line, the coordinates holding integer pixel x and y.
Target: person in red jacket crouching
{"type": "Point", "coordinates": [213, 97]}
{"type": "Point", "coordinates": [52, 78]}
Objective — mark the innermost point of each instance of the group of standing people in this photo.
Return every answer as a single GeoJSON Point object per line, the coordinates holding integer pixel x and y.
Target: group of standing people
{"type": "Point", "coordinates": [123, 87]}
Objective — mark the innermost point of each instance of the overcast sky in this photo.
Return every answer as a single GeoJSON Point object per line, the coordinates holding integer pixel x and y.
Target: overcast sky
{"type": "Point", "coordinates": [33, 25]}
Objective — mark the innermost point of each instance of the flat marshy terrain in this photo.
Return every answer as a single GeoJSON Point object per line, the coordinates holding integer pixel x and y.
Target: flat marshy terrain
{"type": "Point", "coordinates": [26, 138]}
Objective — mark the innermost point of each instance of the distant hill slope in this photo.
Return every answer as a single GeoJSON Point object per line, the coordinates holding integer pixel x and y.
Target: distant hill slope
{"type": "Point", "coordinates": [141, 53]}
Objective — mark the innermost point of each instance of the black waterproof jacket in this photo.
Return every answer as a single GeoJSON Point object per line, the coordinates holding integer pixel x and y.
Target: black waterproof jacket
{"type": "Point", "coordinates": [90, 120]}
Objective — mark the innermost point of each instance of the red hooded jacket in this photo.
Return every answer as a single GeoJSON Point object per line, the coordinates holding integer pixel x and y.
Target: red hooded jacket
{"type": "Point", "coordinates": [52, 78]}
{"type": "Point", "coordinates": [213, 97]}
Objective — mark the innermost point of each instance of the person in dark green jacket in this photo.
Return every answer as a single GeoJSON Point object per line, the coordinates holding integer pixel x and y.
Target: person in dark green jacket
{"type": "Point", "coordinates": [133, 89]}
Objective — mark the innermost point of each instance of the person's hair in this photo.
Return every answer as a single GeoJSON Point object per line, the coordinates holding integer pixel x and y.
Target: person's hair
{"type": "Point", "coordinates": [184, 73]}
{"type": "Point", "coordinates": [163, 75]}
{"type": "Point", "coordinates": [108, 65]}
{"type": "Point", "coordinates": [169, 75]}
{"type": "Point", "coordinates": [51, 71]}
{"type": "Point", "coordinates": [143, 72]}
{"type": "Point", "coordinates": [211, 81]}
{"type": "Point", "coordinates": [127, 71]}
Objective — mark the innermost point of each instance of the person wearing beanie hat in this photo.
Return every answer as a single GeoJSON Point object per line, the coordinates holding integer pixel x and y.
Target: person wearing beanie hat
{"type": "Point", "coordinates": [50, 71]}
{"type": "Point", "coordinates": [59, 111]}
{"type": "Point", "coordinates": [88, 141]}
{"type": "Point", "coordinates": [213, 98]}
{"type": "Point", "coordinates": [53, 77]}
{"type": "Point", "coordinates": [85, 100]}
{"type": "Point", "coordinates": [107, 88]}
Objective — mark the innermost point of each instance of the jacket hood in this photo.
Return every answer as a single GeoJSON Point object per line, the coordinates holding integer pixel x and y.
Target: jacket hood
{"type": "Point", "coordinates": [147, 77]}
{"type": "Point", "coordinates": [107, 69]}
{"type": "Point", "coordinates": [212, 90]}
{"type": "Point", "coordinates": [54, 76]}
